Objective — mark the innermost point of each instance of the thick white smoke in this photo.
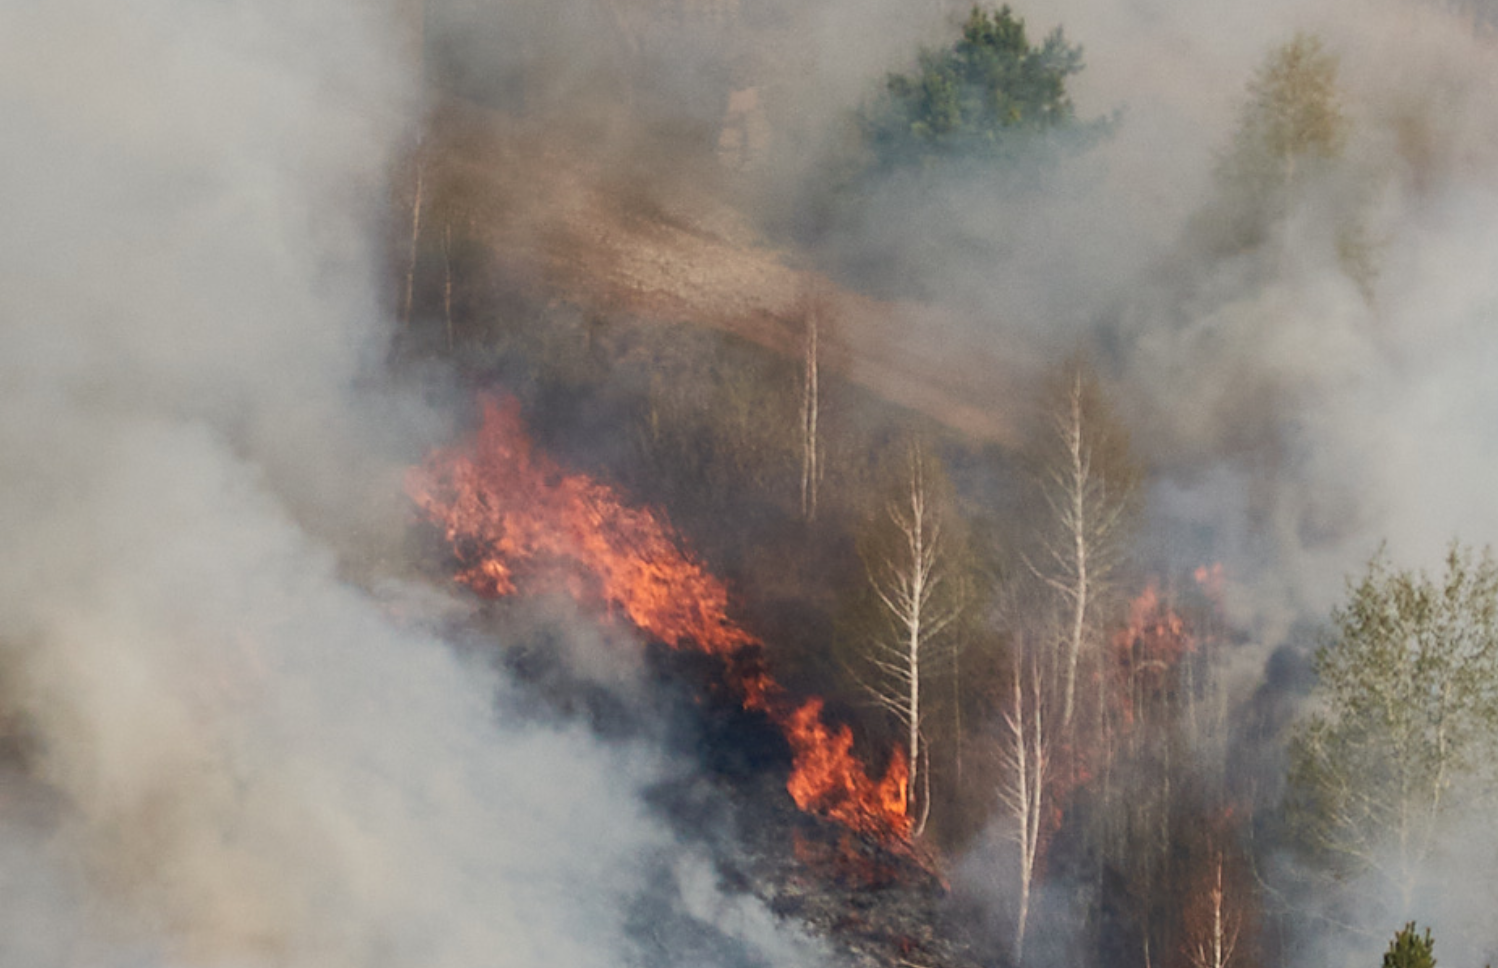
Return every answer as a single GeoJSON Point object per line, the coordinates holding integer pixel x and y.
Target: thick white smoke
{"type": "Point", "coordinates": [1321, 421]}
{"type": "Point", "coordinates": [220, 749]}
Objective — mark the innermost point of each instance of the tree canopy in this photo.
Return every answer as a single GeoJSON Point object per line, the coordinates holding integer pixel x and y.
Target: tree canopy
{"type": "Point", "coordinates": [1291, 131]}
{"type": "Point", "coordinates": [1408, 708]}
{"type": "Point", "coordinates": [1293, 114]}
{"type": "Point", "coordinates": [1288, 160]}
{"type": "Point", "coordinates": [986, 96]}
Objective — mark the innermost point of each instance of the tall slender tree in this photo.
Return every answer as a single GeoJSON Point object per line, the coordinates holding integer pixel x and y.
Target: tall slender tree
{"type": "Point", "coordinates": [1024, 789]}
{"type": "Point", "coordinates": [1293, 131]}
{"type": "Point", "coordinates": [1087, 485]}
{"type": "Point", "coordinates": [1213, 941]}
{"type": "Point", "coordinates": [811, 405]}
{"type": "Point", "coordinates": [913, 560]}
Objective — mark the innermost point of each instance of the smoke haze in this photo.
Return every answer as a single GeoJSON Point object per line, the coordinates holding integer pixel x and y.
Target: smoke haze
{"type": "Point", "coordinates": [230, 752]}
{"type": "Point", "coordinates": [221, 749]}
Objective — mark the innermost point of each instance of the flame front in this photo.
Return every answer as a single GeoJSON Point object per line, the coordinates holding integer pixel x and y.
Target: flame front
{"type": "Point", "coordinates": [513, 516]}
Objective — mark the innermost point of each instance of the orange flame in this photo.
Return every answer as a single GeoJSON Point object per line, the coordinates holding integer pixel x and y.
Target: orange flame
{"type": "Point", "coordinates": [828, 780]}
{"type": "Point", "coordinates": [513, 515]}
{"type": "Point", "coordinates": [1147, 650]}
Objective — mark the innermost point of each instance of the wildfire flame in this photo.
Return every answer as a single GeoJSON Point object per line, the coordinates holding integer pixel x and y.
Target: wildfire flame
{"type": "Point", "coordinates": [828, 780]}
{"type": "Point", "coordinates": [1147, 649]}
{"type": "Point", "coordinates": [513, 516]}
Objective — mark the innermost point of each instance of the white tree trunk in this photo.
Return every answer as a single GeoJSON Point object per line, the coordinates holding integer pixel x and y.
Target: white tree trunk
{"type": "Point", "coordinates": [1023, 793]}
{"type": "Point", "coordinates": [1078, 545]}
{"type": "Point", "coordinates": [913, 630]}
{"type": "Point", "coordinates": [415, 237]}
{"type": "Point", "coordinates": [810, 403]}
{"type": "Point", "coordinates": [1218, 941]}
{"type": "Point", "coordinates": [1076, 518]}
{"type": "Point", "coordinates": [906, 583]}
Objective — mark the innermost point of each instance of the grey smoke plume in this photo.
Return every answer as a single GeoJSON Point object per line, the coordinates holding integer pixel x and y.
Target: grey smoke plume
{"type": "Point", "coordinates": [220, 748]}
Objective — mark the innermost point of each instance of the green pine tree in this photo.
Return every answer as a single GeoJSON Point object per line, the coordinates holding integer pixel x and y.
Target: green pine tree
{"type": "Point", "coordinates": [1411, 950]}
{"type": "Point", "coordinates": [987, 96]}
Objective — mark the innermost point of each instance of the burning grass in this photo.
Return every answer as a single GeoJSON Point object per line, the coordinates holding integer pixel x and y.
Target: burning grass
{"type": "Point", "coordinates": [517, 521]}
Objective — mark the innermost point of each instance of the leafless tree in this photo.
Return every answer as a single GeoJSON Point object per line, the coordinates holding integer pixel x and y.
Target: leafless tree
{"type": "Point", "coordinates": [419, 164]}
{"type": "Point", "coordinates": [913, 574]}
{"type": "Point", "coordinates": [1216, 941]}
{"type": "Point", "coordinates": [1088, 486]}
{"type": "Point", "coordinates": [1023, 790]}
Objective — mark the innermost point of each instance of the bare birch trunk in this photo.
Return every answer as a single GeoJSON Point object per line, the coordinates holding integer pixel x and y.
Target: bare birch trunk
{"type": "Point", "coordinates": [1076, 519]}
{"type": "Point", "coordinates": [906, 582]}
{"type": "Point", "coordinates": [919, 577]}
{"type": "Point", "coordinates": [810, 403]}
{"type": "Point", "coordinates": [1220, 941]}
{"type": "Point", "coordinates": [1086, 488]}
{"type": "Point", "coordinates": [1024, 794]}
{"type": "Point", "coordinates": [415, 237]}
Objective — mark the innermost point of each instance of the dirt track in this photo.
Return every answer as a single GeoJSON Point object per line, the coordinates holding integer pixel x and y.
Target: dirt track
{"type": "Point", "coordinates": [563, 221]}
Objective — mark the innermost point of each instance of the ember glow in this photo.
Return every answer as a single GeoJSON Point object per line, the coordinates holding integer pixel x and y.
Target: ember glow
{"type": "Point", "coordinates": [516, 521]}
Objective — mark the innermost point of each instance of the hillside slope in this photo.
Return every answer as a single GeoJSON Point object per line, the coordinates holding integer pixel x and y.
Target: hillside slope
{"type": "Point", "coordinates": [566, 221]}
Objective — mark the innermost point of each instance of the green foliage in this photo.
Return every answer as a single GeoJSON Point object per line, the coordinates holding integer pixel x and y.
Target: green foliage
{"type": "Point", "coordinates": [1293, 115]}
{"type": "Point", "coordinates": [1411, 950]}
{"type": "Point", "coordinates": [1292, 133]}
{"type": "Point", "coordinates": [986, 96]}
{"type": "Point", "coordinates": [1407, 696]}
